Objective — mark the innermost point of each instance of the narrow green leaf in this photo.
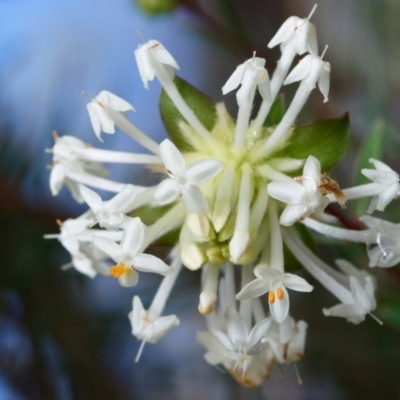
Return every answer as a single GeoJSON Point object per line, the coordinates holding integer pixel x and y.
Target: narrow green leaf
{"type": "Point", "coordinates": [371, 147]}
{"type": "Point", "coordinates": [276, 112]}
{"type": "Point", "coordinates": [326, 140]}
{"type": "Point", "coordinates": [202, 106]}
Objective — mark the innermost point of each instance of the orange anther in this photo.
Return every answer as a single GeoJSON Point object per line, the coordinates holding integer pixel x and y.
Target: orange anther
{"type": "Point", "coordinates": [279, 293]}
{"type": "Point", "coordinates": [271, 297]}
{"type": "Point", "coordinates": [117, 270]}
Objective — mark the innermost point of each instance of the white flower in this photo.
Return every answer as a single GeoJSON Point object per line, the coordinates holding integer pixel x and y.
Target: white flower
{"type": "Point", "coordinates": [249, 75]}
{"type": "Point", "coordinates": [387, 179]}
{"type": "Point", "coordinates": [310, 70]}
{"type": "Point", "coordinates": [299, 32]}
{"type": "Point", "coordinates": [110, 214]}
{"type": "Point", "coordinates": [65, 162]}
{"type": "Point", "coordinates": [183, 181]}
{"type": "Point", "coordinates": [147, 326]}
{"type": "Point", "coordinates": [385, 252]}
{"type": "Point", "coordinates": [287, 340]}
{"type": "Point", "coordinates": [128, 255]}
{"type": "Point", "coordinates": [98, 115]}
{"type": "Point", "coordinates": [303, 198]}
{"type": "Point", "coordinates": [238, 338]}
{"type": "Point", "coordinates": [275, 282]}
{"type": "Point", "coordinates": [150, 56]}
{"type": "Point", "coordinates": [363, 302]}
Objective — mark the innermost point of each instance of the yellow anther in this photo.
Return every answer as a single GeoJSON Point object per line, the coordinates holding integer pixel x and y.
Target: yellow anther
{"type": "Point", "coordinates": [279, 293]}
{"type": "Point", "coordinates": [271, 297]}
{"type": "Point", "coordinates": [117, 270]}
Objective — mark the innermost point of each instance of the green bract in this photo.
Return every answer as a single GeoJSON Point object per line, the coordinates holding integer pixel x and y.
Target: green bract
{"type": "Point", "coordinates": [202, 106]}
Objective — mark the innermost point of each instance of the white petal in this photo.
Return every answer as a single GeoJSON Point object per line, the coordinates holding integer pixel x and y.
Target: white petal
{"type": "Point", "coordinates": [287, 192]}
{"type": "Point", "coordinates": [360, 297]}
{"type": "Point", "coordinates": [258, 331]}
{"type": "Point", "coordinates": [167, 191]}
{"type": "Point", "coordinates": [380, 166]}
{"type": "Point", "coordinates": [162, 55]}
{"type": "Point", "coordinates": [264, 88]}
{"type": "Point", "coordinates": [136, 316]}
{"type": "Point", "coordinates": [113, 101]}
{"type": "Point", "coordinates": [312, 168]}
{"type": "Point", "coordinates": [159, 328]}
{"type": "Point", "coordinates": [172, 158]}
{"type": "Point", "coordinates": [149, 263]}
{"type": "Point", "coordinates": [94, 119]}
{"type": "Point", "coordinates": [324, 80]}
{"type": "Point", "coordinates": [294, 282]}
{"type": "Point", "coordinates": [284, 32]}
{"type": "Point", "coordinates": [120, 201]}
{"type": "Point", "coordinates": [291, 214]}
{"type": "Point", "coordinates": [92, 199]}
{"type": "Point", "coordinates": [194, 200]}
{"type": "Point", "coordinates": [203, 170]}
{"type": "Point", "coordinates": [235, 326]}
{"type": "Point", "coordinates": [280, 308]}
{"type": "Point", "coordinates": [146, 70]}
{"type": "Point", "coordinates": [57, 176]}
{"type": "Point", "coordinates": [387, 195]}
{"type": "Point", "coordinates": [255, 288]}
{"type": "Point", "coordinates": [129, 278]}
{"type": "Point", "coordinates": [109, 247]}
{"type": "Point", "coordinates": [223, 339]}
{"type": "Point", "coordinates": [84, 266]}
{"type": "Point", "coordinates": [300, 71]}
{"type": "Point", "coordinates": [235, 79]}
{"type": "Point", "coordinates": [348, 311]}
{"type": "Point", "coordinates": [133, 237]}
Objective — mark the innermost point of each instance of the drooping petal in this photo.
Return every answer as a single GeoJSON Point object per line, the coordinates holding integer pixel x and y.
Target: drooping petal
{"type": "Point", "coordinates": [292, 214]}
{"type": "Point", "coordinates": [203, 170]}
{"type": "Point", "coordinates": [57, 177]}
{"type": "Point", "coordinates": [300, 71]}
{"type": "Point", "coordinates": [235, 79]}
{"type": "Point", "coordinates": [109, 247]}
{"type": "Point", "coordinates": [285, 31]}
{"type": "Point", "coordinates": [194, 200]}
{"type": "Point", "coordinates": [133, 237]}
{"type": "Point", "coordinates": [119, 202]}
{"type": "Point", "coordinates": [113, 101]}
{"type": "Point", "coordinates": [129, 278]}
{"type": "Point", "coordinates": [223, 339]}
{"type": "Point", "coordinates": [280, 308]}
{"type": "Point", "coordinates": [259, 330]}
{"type": "Point", "coordinates": [92, 199]}
{"type": "Point", "coordinates": [294, 282]}
{"type": "Point", "coordinates": [359, 295]}
{"type": "Point", "coordinates": [149, 263]}
{"type": "Point", "coordinates": [287, 192]}
{"type": "Point", "coordinates": [172, 158]}
{"type": "Point", "coordinates": [324, 80]}
{"type": "Point", "coordinates": [235, 326]}
{"type": "Point", "coordinates": [167, 191]}
{"type": "Point", "coordinates": [85, 266]}
{"type": "Point", "coordinates": [255, 288]}
{"type": "Point", "coordinates": [348, 311]}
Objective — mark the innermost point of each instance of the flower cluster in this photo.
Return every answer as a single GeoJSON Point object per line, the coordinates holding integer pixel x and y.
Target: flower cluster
{"type": "Point", "coordinates": [241, 193]}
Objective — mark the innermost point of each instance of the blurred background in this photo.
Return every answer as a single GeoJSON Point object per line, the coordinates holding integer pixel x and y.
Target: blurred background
{"type": "Point", "coordinates": [64, 336]}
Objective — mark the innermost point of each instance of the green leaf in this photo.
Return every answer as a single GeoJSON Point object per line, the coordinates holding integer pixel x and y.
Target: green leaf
{"type": "Point", "coordinates": [371, 147]}
{"type": "Point", "coordinates": [276, 112]}
{"type": "Point", "coordinates": [202, 106]}
{"type": "Point", "coordinates": [326, 140]}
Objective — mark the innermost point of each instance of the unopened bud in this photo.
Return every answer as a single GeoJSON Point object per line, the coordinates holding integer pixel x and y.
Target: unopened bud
{"type": "Point", "coordinates": [199, 225]}
{"type": "Point", "coordinates": [207, 302]}
{"type": "Point", "coordinates": [193, 257]}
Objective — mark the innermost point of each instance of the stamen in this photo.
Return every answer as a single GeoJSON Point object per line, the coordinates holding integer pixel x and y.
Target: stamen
{"type": "Point", "coordinates": [279, 293]}
{"type": "Point", "coordinates": [55, 135]}
{"type": "Point", "coordinates": [59, 222]}
{"type": "Point", "coordinates": [117, 270]}
{"type": "Point", "coordinates": [312, 12]}
{"type": "Point", "coordinates": [271, 297]}
{"type": "Point", "coordinates": [140, 35]}
{"type": "Point", "coordinates": [323, 53]}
